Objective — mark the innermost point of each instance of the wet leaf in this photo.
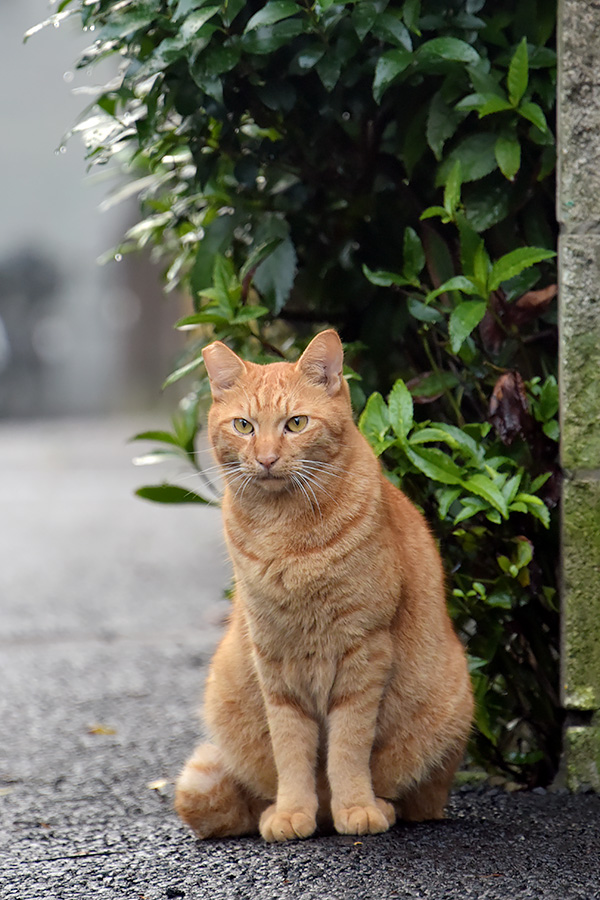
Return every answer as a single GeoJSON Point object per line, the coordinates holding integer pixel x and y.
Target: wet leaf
{"type": "Point", "coordinates": [530, 305]}
{"type": "Point", "coordinates": [509, 408]}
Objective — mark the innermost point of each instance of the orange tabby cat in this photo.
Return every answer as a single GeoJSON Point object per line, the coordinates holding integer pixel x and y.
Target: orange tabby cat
{"type": "Point", "coordinates": [339, 693]}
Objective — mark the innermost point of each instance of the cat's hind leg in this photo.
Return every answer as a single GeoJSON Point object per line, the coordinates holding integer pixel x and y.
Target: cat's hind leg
{"type": "Point", "coordinates": [427, 799]}
{"type": "Point", "coordinates": [209, 799]}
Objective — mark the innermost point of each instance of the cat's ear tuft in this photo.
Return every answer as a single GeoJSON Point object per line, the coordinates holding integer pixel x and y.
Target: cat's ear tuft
{"type": "Point", "coordinates": [323, 360]}
{"type": "Point", "coordinates": [223, 366]}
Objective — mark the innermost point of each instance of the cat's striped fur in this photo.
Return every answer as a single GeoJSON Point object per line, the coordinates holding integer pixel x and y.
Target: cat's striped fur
{"type": "Point", "coordinates": [339, 692]}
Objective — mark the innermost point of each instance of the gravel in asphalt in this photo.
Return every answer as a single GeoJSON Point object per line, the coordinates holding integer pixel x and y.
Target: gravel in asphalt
{"type": "Point", "coordinates": [109, 610]}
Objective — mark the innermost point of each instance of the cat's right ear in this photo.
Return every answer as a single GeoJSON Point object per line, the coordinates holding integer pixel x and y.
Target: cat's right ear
{"type": "Point", "coordinates": [223, 366]}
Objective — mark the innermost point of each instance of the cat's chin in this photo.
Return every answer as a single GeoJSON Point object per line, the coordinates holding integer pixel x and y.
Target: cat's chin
{"type": "Point", "coordinates": [271, 484]}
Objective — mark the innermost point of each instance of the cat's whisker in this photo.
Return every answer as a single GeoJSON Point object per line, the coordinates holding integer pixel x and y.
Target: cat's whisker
{"type": "Point", "coordinates": [306, 485]}
{"type": "Point", "coordinates": [309, 466]}
{"type": "Point", "coordinates": [297, 481]}
{"type": "Point", "coordinates": [311, 478]}
{"type": "Point", "coordinates": [244, 486]}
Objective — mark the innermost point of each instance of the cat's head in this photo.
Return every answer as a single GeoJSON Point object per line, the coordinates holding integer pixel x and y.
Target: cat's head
{"type": "Point", "coordinates": [279, 427]}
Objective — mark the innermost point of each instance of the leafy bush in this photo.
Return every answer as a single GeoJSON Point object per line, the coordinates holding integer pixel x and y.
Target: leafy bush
{"type": "Point", "coordinates": [386, 167]}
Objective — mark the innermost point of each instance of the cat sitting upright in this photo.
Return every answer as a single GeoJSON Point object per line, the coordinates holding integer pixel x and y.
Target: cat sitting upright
{"type": "Point", "coordinates": [339, 693]}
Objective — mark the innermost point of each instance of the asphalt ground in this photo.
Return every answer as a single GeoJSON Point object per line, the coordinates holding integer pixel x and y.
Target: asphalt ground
{"type": "Point", "coordinates": [109, 610]}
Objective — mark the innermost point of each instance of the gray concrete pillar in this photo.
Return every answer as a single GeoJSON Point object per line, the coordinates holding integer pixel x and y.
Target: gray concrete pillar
{"type": "Point", "coordinates": [578, 213]}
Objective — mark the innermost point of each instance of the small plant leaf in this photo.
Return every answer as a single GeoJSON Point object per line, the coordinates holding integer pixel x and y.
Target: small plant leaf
{"type": "Point", "coordinates": [389, 66]}
{"type": "Point", "coordinates": [435, 464]}
{"type": "Point", "coordinates": [449, 48]}
{"type": "Point", "coordinates": [518, 73]}
{"type": "Point", "coordinates": [513, 263]}
{"type": "Point", "coordinates": [170, 493]}
{"type": "Point", "coordinates": [271, 13]}
{"type": "Point", "coordinates": [484, 487]}
{"type": "Point", "coordinates": [400, 406]}
{"type": "Point", "coordinates": [452, 189]}
{"type": "Point", "coordinates": [508, 156]}
{"type": "Point", "coordinates": [463, 320]}
{"type": "Point", "coordinates": [413, 255]}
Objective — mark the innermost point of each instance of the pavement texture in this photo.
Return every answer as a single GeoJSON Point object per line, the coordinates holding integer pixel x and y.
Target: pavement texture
{"type": "Point", "coordinates": [110, 608]}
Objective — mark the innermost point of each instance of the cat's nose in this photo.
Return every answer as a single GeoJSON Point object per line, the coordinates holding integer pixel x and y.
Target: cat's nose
{"type": "Point", "coordinates": [267, 460]}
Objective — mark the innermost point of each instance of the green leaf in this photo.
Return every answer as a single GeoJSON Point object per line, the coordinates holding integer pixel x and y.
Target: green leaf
{"type": "Point", "coordinates": [196, 20]}
{"type": "Point", "coordinates": [449, 48]}
{"type": "Point", "coordinates": [363, 18]}
{"type": "Point", "coordinates": [481, 265]}
{"type": "Point", "coordinates": [533, 113]}
{"type": "Point", "coordinates": [435, 464]}
{"type": "Point", "coordinates": [249, 314]}
{"type": "Point", "coordinates": [457, 283]}
{"type": "Point", "coordinates": [548, 399]}
{"type": "Point", "coordinates": [552, 430]}
{"type": "Point", "coordinates": [423, 313]}
{"type": "Point", "coordinates": [432, 211]}
{"type": "Point", "coordinates": [384, 279]}
{"type": "Point", "coordinates": [508, 156]}
{"type": "Point", "coordinates": [400, 405]}
{"type": "Point", "coordinates": [183, 371]}
{"type": "Point", "coordinates": [389, 66]}
{"type": "Point", "coordinates": [442, 122]}
{"type": "Point", "coordinates": [413, 255]}
{"type": "Point", "coordinates": [454, 437]}
{"type": "Point", "coordinates": [410, 13]}
{"type": "Point", "coordinates": [208, 316]}
{"type": "Point", "coordinates": [258, 255]}
{"type": "Point", "coordinates": [127, 23]}
{"type": "Point", "coordinates": [445, 498]}
{"type": "Point", "coordinates": [226, 285]}
{"type": "Point", "coordinates": [493, 104]}
{"type": "Point", "coordinates": [483, 487]}
{"type": "Point", "coordinates": [513, 263]}
{"type": "Point", "coordinates": [452, 189]}
{"type": "Point", "coordinates": [470, 507]}
{"type": "Point", "coordinates": [272, 12]}
{"type": "Point", "coordinates": [390, 29]}
{"type": "Point", "coordinates": [164, 437]}
{"type": "Point", "coordinates": [499, 598]}
{"type": "Point", "coordinates": [476, 155]}
{"type": "Point", "coordinates": [329, 69]}
{"type": "Point", "coordinates": [463, 320]}
{"type": "Point", "coordinates": [511, 487]}
{"type": "Point", "coordinates": [518, 73]}
{"type": "Point", "coordinates": [264, 40]}
{"type": "Point", "coordinates": [274, 277]}
{"type": "Point", "coordinates": [374, 423]}
{"type": "Point", "coordinates": [169, 493]}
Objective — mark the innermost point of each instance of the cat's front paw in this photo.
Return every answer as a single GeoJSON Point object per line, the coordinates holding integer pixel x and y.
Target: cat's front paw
{"type": "Point", "coordinates": [370, 819]}
{"type": "Point", "coordinates": [286, 825]}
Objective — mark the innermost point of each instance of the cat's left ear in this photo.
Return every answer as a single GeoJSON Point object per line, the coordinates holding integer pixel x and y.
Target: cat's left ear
{"type": "Point", "coordinates": [322, 361]}
{"type": "Point", "coordinates": [223, 366]}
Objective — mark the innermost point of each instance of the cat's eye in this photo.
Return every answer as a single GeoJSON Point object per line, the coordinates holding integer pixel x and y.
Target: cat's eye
{"type": "Point", "coordinates": [297, 423]}
{"type": "Point", "coordinates": [243, 426]}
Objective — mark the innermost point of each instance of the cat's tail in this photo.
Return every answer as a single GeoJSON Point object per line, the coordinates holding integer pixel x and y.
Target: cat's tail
{"type": "Point", "coordinates": [210, 801]}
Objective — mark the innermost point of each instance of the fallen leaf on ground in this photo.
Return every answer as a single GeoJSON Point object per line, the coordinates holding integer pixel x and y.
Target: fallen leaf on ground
{"type": "Point", "coordinates": [101, 729]}
{"type": "Point", "coordinates": [158, 784]}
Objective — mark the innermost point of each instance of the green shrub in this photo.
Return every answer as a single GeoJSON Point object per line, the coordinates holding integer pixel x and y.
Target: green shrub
{"type": "Point", "coordinates": [386, 168]}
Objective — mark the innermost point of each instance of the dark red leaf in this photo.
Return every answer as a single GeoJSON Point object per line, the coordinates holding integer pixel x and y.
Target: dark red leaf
{"type": "Point", "coordinates": [509, 408]}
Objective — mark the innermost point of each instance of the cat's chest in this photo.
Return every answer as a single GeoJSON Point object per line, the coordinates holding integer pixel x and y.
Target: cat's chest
{"type": "Point", "coordinates": [286, 559]}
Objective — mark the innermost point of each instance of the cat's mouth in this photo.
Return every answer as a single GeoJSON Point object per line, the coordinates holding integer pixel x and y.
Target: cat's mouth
{"type": "Point", "coordinates": [270, 481]}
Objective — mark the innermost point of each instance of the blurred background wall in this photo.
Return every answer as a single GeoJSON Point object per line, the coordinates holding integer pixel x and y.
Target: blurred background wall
{"type": "Point", "coordinates": [75, 337]}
